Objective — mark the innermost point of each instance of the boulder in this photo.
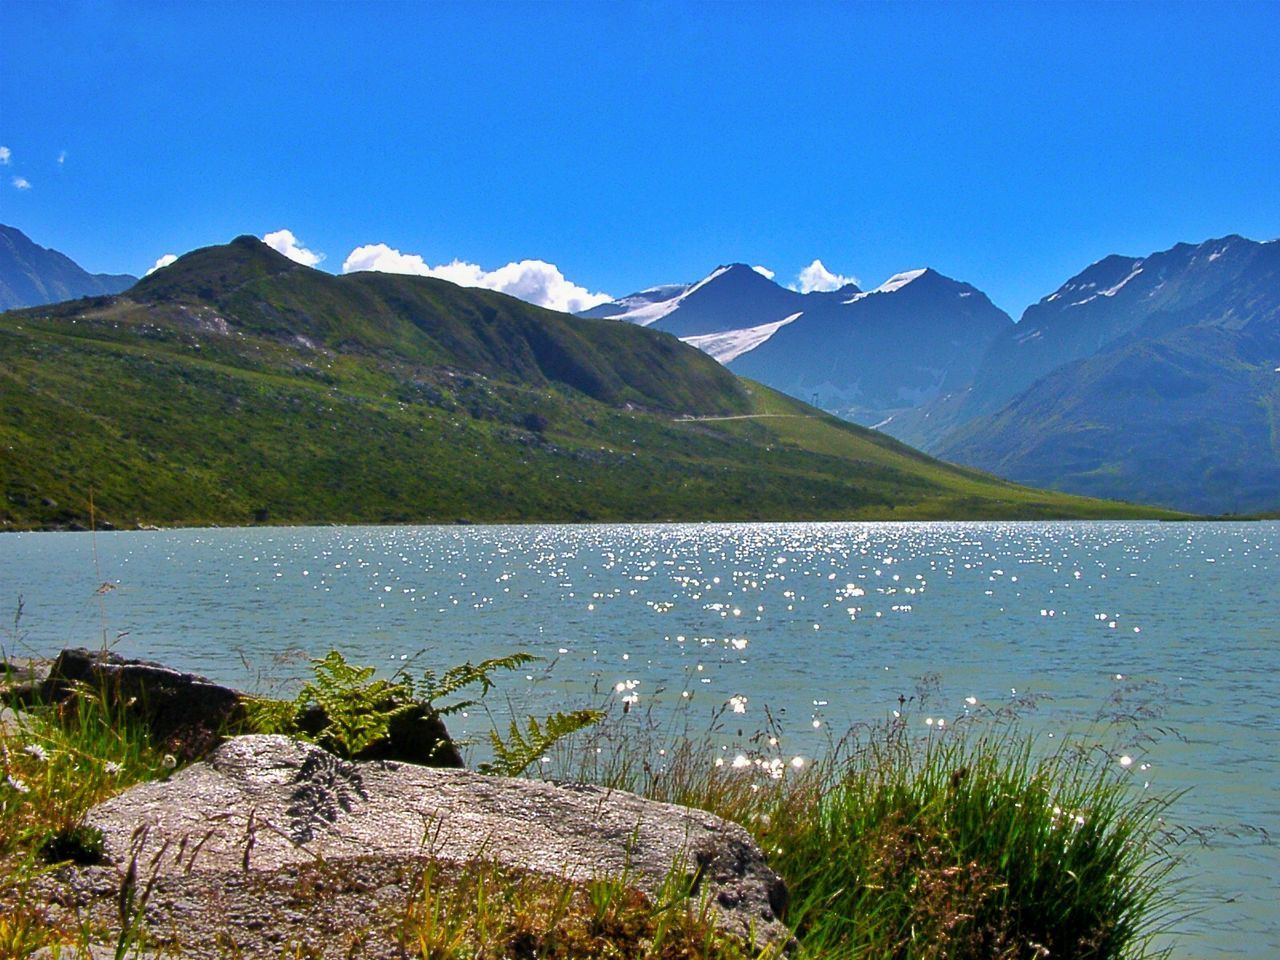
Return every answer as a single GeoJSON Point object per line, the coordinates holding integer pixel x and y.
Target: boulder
{"type": "Point", "coordinates": [274, 808]}
{"type": "Point", "coordinates": [186, 713]}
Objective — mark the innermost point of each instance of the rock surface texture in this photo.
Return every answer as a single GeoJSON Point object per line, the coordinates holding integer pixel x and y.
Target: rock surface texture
{"type": "Point", "coordinates": [262, 813]}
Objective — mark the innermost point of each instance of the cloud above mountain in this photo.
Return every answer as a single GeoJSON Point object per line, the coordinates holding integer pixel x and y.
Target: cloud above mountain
{"type": "Point", "coordinates": [163, 261]}
{"type": "Point", "coordinates": [534, 281]}
{"type": "Point", "coordinates": [283, 241]}
{"type": "Point", "coordinates": [816, 277]}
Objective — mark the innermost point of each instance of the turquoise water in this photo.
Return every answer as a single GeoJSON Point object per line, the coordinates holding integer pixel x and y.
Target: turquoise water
{"type": "Point", "coordinates": [823, 624]}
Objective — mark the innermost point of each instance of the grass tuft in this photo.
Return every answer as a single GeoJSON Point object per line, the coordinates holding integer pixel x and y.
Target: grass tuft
{"type": "Point", "coordinates": [972, 842]}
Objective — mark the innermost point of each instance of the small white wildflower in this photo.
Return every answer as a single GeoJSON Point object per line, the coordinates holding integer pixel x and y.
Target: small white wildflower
{"type": "Point", "coordinates": [17, 784]}
{"type": "Point", "coordinates": [1126, 760]}
{"type": "Point", "coordinates": [37, 751]}
{"type": "Point", "coordinates": [740, 761]}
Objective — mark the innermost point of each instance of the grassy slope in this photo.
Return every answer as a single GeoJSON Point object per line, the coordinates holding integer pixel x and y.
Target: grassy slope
{"type": "Point", "coordinates": [428, 403]}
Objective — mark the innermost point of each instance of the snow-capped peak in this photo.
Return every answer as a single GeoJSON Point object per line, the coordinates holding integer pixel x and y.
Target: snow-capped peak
{"type": "Point", "coordinates": [893, 284]}
{"type": "Point", "coordinates": [900, 280]}
{"type": "Point", "coordinates": [649, 306]}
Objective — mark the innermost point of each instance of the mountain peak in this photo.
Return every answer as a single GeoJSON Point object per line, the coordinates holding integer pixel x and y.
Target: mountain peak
{"type": "Point", "coordinates": [919, 280]}
{"type": "Point", "coordinates": [211, 272]}
{"type": "Point", "coordinates": [738, 273]}
{"type": "Point", "coordinates": [31, 275]}
{"type": "Point", "coordinates": [900, 280]}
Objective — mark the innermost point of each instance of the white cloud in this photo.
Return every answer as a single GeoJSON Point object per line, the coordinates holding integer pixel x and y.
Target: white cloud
{"type": "Point", "coordinates": [764, 272]}
{"type": "Point", "coordinates": [62, 157]}
{"type": "Point", "coordinates": [164, 261]}
{"type": "Point", "coordinates": [283, 241]}
{"type": "Point", "coordinates": [384, 259]}
{"type": "Point", "coordinates": [5, 156]}
{"type": "Point", "coordinates": [817, 277]}
{"type": "Point", "coordinates": [534, 281]}
{"type": "Point", "coordinates": [22, 183]}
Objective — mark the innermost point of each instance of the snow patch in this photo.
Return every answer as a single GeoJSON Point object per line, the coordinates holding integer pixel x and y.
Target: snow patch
{"type": "Point", "coordinates": [1116, 289]}
{"type": "Point", "coordinates": [731, 344]}
{"type": "Point", "coordinates": [650, 306]}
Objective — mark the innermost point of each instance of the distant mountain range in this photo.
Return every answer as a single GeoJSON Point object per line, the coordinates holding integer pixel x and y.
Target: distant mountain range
{"type": "Point", "coordinates": [31, 275]}
{"type": "Point", "coordinates": [865, 356]}
{"type": "Point", "coordinates": [1153, 379]}
{"type": "Point", "coordinates": [236, 386]}
{"type": "Point", "coordinates": [1149, 379]}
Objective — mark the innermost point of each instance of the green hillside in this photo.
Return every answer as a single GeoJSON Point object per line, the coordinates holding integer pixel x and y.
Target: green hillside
{"type": "Point", "coordinates": [238, 387]}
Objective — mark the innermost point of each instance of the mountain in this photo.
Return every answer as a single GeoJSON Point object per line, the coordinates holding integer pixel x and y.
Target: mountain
{"type": "Point", "coordinates": [31, 275]}
{"type": "Point", "coordinates": [236, 386]}
{"type": "Point", "coordinates": [872, 355]}
{"type": "Point", "coordinates": [868, 357]}
{"type": "Point", "coordinates": [1154, 378]}
{"type": "Point", "coordinates": [1109, 299]}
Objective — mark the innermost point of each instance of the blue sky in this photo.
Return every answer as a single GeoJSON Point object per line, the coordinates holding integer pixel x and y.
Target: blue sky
{"type": "Point", "coordinates": [632, 144]}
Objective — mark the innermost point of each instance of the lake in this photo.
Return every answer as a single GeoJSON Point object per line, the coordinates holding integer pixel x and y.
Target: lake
{"type": "Point", "coordinates": [822, 624]}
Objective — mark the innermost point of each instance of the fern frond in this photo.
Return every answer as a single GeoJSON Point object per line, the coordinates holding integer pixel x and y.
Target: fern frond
{"type": "Point", "coordinates": [523, 748]}
{"type": "Point", "coordinates": [432, 688]}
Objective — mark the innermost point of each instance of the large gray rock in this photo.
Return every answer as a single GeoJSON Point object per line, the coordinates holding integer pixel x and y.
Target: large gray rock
{"type": "Point", "coordinates": [269, 805]}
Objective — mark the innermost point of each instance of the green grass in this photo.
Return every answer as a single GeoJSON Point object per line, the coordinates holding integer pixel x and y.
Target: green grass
{"type": "Point", "coordinates": [56, 762]}
{"type": "Point", "coordinates": [487, 912]}
{"type": "Point", "coordinates": [971, 842]}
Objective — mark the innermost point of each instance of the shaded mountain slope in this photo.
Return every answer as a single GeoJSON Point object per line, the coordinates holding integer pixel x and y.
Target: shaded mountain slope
{"type": "Point", "coordinates": [872, 355]}
{"type": "Point", "coordinates": [1174, 395]}
{"type": "Point", "coordinates": [1118, 296]}
{"type": "Point", "coordinates": [31, 275]}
